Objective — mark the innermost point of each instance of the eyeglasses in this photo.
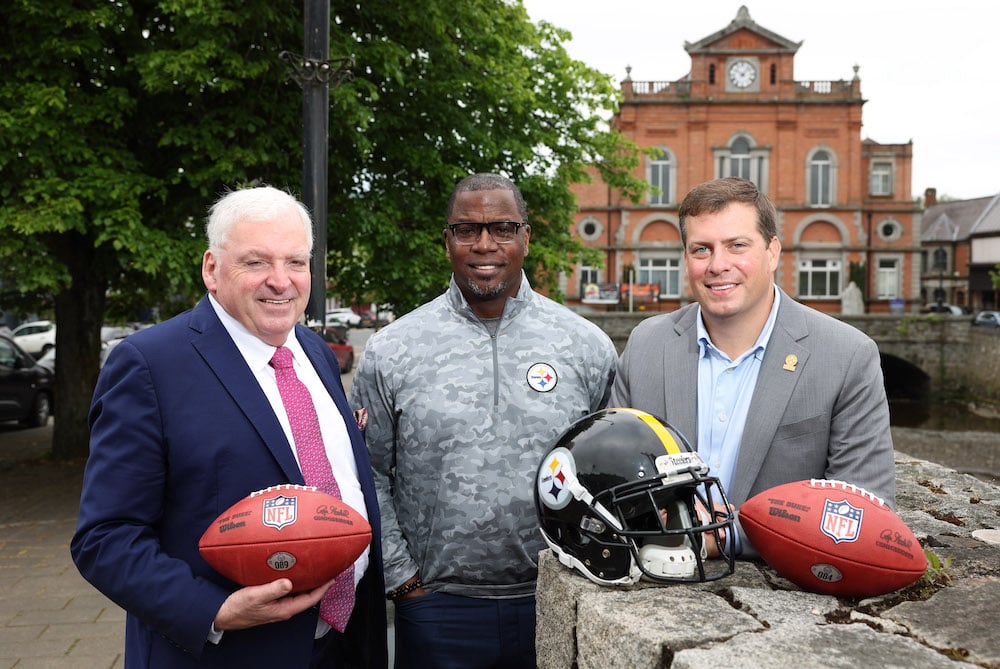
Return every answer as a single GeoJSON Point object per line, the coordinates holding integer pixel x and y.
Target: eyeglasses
{"type": "Point", "coordinates": [501, 232]}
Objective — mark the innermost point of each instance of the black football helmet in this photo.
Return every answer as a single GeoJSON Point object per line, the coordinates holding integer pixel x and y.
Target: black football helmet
{"type": "Point", "coordinates": [622, 495]}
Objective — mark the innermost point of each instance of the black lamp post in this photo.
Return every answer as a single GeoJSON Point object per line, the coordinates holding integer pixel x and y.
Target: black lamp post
{"type": "Point", "coordinates": [314, 71]}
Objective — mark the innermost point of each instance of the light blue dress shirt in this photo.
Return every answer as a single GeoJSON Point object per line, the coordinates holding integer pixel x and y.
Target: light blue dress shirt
{"type": "Point", "coordinates": [724, 390]}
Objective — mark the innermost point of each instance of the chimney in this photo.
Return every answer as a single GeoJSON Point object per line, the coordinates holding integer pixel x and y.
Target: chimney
{"type": "Point", "coordinates": [930, 197]}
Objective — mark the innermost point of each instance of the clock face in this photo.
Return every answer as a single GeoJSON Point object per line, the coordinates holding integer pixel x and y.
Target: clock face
{"type": "Point", "coordinates": [742, 73]}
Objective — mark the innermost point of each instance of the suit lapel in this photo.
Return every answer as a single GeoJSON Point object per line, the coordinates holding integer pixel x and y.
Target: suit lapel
{"type": "Point", "coordinates": [216, 347]}
{"type": "Point", "coordinates": [680, 362]}
{"type": "Point", "coordinates": [775, 384]}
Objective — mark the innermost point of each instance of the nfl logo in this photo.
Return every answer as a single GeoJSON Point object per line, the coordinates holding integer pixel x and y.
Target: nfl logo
{"type": "Point", "coordinates": [841, 521]}
{"type": "Point", "coordinates": [280, 511]}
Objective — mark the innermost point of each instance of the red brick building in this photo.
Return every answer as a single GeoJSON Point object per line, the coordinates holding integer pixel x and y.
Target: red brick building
{"type": "Point", "coordinates": [961, 246]}
{"type": "Point", "coordinates": [845, 210]}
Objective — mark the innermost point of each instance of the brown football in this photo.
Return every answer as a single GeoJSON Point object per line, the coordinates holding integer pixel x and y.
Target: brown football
{"type": "Point", "coordinates": [285, 531]}
{"type": "Point", "coordinates": [832, 538]}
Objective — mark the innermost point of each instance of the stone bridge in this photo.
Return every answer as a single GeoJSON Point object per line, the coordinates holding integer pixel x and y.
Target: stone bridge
{"type": "Point", "coordinates": [924, 356]}
{"type": "Point", "coordinates": [934, 355]}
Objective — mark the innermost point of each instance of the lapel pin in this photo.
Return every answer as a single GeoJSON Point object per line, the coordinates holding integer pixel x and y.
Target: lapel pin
{"type": "Point", "coordinates": [790, 362]}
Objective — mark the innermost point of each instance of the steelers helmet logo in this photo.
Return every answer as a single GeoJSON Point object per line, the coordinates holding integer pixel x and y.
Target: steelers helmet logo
{"type": "Point", "coordinates": [542, 377]}
{"type": "Point", "coordinates": [553, 478]}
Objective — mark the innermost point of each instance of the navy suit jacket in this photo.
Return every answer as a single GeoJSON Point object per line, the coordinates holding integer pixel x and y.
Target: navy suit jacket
{"type": "Point", "coordinates": [180, 431]}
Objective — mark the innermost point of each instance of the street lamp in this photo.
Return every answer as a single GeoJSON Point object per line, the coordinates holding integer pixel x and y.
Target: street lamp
{"type": "Point", "coordinates": [314, 71]}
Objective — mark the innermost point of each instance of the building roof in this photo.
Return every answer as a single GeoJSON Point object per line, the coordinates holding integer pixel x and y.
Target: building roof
{"type": "Point", "coordinates": [956, 220]}
{"type": "Point", "coordinates": [988, 222]}
{"type": "Point", "coordinates": [743, 21]}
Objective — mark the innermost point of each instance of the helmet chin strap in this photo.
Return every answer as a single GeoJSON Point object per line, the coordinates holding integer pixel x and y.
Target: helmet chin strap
{"type": "Point", "coordinates": [673, 562]}
{"type": "Point", "coordinates": [668, 561]}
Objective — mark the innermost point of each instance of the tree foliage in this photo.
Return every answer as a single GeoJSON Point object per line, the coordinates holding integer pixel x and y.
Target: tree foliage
{"type": "Point", "coordinates": [443, 89]}
{"type": "Point", "coordinates": [122, 121]}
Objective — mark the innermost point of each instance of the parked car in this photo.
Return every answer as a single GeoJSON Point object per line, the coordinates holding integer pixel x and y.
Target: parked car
{"type": "Point", "coordinates": [343, 316]}
{"type": "Point", "coordinates": [109, 332]}
{"type": "Point", "coordinates": [111, 336]}
{"type": "Point", "coordinates": [378, 319]}
{"type": "Point", "coordinates": [336, 339]}
{"type": "Point", "coordinates": [987, 318]}
{"type": "Point", "coordinates": [48, 360]}
{"type": "Point", "coordinates": [35, 337]}
{"type": "Point", "coordinates": [940, 308]}
{"type": "Point", "coordinates": [26, 391]}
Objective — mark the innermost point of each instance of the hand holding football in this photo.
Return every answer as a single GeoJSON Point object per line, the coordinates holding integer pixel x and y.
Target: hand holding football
{"type": "Point", "coordinates": [286, 531]}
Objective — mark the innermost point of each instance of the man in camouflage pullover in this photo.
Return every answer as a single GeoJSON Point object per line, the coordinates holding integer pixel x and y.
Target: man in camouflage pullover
{"type": "Point", "coordinates": [464, 396]}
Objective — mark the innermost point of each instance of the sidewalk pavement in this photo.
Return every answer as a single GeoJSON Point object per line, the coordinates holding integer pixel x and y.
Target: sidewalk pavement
{"type": "Point", "coordinates": [50, 617]}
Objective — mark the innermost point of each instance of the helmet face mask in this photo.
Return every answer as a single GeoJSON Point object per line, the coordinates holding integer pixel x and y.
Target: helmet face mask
{"type": "Point", "coordinates": [618, 499]}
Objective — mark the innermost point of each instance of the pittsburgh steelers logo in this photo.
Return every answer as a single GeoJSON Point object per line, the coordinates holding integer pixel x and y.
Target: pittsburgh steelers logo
{"type": "Point", "coordinates": [557, 468]}
{"type": "Point", "coordinates": [542, 377]}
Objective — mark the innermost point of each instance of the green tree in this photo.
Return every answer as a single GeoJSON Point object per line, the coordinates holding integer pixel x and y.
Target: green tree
{"type": "Point", "coordinates": [444, 88]}
{"type": "Point", "coordinates": [120, 123]}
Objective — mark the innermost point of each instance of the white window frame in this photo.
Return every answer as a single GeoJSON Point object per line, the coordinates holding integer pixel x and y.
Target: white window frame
{"type": "Point", "coordinates": [668, 266]}
{"type": "Point", "coordinates": [757, 163]}
{"type": "Point", "coordinates": [821, 174]}
{"type": "Point", "coordinates": [888, 275]}
{"type": "Point", "coordinates": [587, 276]}
{"type": "Point", "coordinates": [810, 268]}
{"type": "Point", "coordinates": [598, 229]}
{"type": "Point", "coordinates": [881, 179]}
{"type": "Point", "coordinates": [661, 173]}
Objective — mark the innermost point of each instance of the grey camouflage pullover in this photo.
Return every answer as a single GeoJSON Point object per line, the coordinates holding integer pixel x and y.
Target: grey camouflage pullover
{"type": "Point", "coordinates": [458, 422]}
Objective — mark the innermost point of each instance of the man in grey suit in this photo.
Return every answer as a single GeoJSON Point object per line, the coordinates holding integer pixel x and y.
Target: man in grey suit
{"type": "Point", "coordinates": [767, 390]}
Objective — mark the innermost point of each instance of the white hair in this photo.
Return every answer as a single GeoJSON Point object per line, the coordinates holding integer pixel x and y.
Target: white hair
{"type": "Point", "coordinates": [258, 203]}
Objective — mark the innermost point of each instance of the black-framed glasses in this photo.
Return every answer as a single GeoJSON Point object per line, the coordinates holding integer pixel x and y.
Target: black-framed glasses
{"type": "Point", "coordinates": [501, 232]}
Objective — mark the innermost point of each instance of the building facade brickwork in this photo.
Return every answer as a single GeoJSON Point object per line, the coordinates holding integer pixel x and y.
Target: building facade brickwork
{"type": "Point", "coordinates": [845, 208]}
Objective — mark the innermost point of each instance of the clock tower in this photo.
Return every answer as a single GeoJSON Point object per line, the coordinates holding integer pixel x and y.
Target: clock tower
{"type": "Point", "coordinates": [743, 73]}
{"type": "Point", "coordinates": [845, 210]}
{"type": "Point", "coordinates": [742, 58]}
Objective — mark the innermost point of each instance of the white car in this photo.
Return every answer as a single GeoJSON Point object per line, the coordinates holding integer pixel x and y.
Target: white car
{"type": "Point", "coordinates": [36, 337]}
{"type": "Point", "coordinates": [936, 308]}
{"type": "Point", "coordinates": [988, 318]}
{"type": "Point", "coordinates": [343, 316]}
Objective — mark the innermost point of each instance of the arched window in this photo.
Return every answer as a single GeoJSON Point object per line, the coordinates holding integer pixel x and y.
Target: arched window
{"type": "Point", "coordinates": [940, 260]}
{"type": "Point", "coordinates": [821, 179]}
{"type": "Point", "coordinates": [739, 164]}
{"type": "Point", "coordinates": [742, 157]}
{"type": "Point", "coordinates": [774, 74]}
{"type": "Point", "coordinates": [711, 73]}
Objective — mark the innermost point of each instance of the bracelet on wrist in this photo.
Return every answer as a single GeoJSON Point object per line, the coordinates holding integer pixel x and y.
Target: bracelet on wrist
{"type": "Point", "coordinates": [405, 589]}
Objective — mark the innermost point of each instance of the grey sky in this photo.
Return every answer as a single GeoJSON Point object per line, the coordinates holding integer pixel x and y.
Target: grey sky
{"type": "Point", "coordinates": [927, 69]}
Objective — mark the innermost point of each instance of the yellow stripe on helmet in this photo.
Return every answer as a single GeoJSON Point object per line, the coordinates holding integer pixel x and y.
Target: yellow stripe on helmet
{"type": "Point", "coordinates": [667, 439]}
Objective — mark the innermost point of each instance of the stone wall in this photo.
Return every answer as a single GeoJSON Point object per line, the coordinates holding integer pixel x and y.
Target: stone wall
{"type": "Point", "coordinates": [756, 619]}
{"type": "Point", "coordinates": [961, 360]}
{"type": "Point", "coordinates": [982, 362]}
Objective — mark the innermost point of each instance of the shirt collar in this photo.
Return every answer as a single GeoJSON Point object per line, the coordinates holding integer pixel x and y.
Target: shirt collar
{"type": "Point", "coordinates": [512, 307]}
{"type": "Point", "coordinates": [257, 353]}
{"type": "Point", "coordinates": [705, 341]}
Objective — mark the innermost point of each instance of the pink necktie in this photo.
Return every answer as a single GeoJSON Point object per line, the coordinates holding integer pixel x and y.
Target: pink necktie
{"type": "Point", "coordinates": [337, 603]}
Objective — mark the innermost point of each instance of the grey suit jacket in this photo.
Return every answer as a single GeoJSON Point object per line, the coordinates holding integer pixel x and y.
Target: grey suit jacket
{"type": "Point", "coordinates": [826, 416]}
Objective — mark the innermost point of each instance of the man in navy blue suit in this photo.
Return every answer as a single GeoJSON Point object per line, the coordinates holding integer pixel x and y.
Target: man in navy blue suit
{"type": "Point", "coordinates": [186, 420]}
